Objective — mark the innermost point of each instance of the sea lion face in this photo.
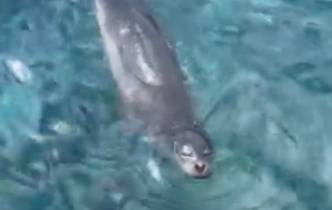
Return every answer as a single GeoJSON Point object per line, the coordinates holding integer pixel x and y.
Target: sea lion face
{"type": "Point", "coordinates": [193, 153]}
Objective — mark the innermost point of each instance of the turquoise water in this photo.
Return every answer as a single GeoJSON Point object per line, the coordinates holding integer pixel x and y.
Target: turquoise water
{"type": "Point", "coordinates": [262, 66]}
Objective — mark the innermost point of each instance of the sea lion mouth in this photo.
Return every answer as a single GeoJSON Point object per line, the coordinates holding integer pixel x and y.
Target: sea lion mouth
{"type": "Point", "coordinates": [204, 175]}
{"type": "Point", "coordinates": [197, 175]}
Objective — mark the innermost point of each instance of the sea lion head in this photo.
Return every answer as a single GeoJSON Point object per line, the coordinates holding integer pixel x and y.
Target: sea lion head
{"type": "Point", "coordinates": [193, 153]}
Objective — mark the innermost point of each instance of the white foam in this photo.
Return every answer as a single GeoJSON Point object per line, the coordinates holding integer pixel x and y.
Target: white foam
{"type": "Point", "coordinates": [62, 127]}
{"type": "Point", "coordinates": [38, 138]}
{"type": "Point", "coordinates": [19, 70]}
{"type": "Point", "coordinates": [154, 170]}
{"type": "Point", "coordinates": [55, 154]}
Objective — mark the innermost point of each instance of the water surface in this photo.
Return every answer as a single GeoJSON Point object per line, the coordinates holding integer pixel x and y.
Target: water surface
{"type": "Point", "coordinates": [262, 66]}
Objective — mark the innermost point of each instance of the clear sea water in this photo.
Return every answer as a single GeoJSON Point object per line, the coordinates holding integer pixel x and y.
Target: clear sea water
{"type": "Point", "coordinates": [263, 66]}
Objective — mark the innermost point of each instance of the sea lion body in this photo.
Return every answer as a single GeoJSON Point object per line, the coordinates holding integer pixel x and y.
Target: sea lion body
{"type": "Point", "coordinates": [148, 76]}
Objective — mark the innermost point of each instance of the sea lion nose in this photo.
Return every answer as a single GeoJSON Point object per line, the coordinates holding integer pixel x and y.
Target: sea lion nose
{"type": "Point", "coordinates": [200, 167]}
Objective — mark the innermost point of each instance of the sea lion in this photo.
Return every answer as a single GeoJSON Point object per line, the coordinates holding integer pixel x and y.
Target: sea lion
{"type": "Point", "coordinates": [151, 84]}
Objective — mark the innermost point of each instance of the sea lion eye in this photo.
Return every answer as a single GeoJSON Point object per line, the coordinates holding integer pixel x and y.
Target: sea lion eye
{"type": "Point", "coordinates": [207, 152]}
{"type": "Point", "coordinates": [187, 151]}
